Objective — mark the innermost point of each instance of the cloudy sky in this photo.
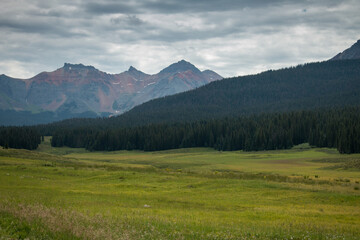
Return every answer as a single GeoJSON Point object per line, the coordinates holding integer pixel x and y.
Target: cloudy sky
{"type": "Point", "coordinates": [231, 37]}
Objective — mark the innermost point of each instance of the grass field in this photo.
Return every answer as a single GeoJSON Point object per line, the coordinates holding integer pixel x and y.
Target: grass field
{"type": "Point", "coordinates": [63, 193]}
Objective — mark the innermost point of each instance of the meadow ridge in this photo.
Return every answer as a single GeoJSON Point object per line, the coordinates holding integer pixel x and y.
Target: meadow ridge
{"type": "Point", "coordinates": [195, 193]}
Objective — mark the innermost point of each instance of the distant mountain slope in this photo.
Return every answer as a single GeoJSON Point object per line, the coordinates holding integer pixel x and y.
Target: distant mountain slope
{"type": "Point", "coordinates": [351, 53]}
{"type": "Point", "coordinates": [315, 85]}
{"type": "Point", "coordinates": [78, 90]}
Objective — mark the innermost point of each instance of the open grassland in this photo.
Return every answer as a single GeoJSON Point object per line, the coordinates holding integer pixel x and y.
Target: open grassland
{"type": "Point", "coordinates": [63, 193]}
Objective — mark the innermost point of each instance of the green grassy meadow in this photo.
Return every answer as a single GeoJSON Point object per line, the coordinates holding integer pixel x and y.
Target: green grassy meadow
{"type": "Point", "coordinates": [64, 193]}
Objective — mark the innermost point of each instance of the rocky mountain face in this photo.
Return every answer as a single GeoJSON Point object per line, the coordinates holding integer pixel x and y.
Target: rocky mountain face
{"type": "Point", "coordinates": [76, 88]}
{"type": "Point", "coordinates": [351, 53]}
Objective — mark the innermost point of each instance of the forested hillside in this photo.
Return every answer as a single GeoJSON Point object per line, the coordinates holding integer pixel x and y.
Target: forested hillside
{"type": "Point", "coordinates": [309, 86]}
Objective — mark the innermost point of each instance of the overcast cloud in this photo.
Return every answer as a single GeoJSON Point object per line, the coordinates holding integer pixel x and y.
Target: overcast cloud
{"type": "Point", "coordinates": [231, 37]}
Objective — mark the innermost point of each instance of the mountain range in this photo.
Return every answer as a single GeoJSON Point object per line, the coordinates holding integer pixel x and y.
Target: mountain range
{"type": "Point", "coordinates": [331, 84]}
{"type": "Point", "coordinates": [76, 90]}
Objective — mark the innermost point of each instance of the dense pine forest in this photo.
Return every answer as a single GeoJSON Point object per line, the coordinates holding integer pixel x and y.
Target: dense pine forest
{"type": "Point", "coordinates": [323, 128]}
{"type": "Point", "coordinates": [19, 137]}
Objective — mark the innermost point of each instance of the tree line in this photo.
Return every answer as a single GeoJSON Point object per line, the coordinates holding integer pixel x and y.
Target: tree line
{"type": "Point", "coordinates": [19, 137]}
{"type": "Point", "coordinates": [337, 128]}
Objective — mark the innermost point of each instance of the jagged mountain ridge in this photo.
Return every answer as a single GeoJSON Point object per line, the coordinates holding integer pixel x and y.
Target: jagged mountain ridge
{"type": "Point", "coordinates": [75, 88]}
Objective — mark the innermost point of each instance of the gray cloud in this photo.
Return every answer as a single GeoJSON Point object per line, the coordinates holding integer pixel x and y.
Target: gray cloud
{"type": "Point", "coordinates": [199, 6]}
{"type": "Point", "coordinates": [174, 6]}
{"type": "Point", "coordinates": [109, 7]}
{"type": "Point", "coordinates": [231, 37]}
{"type": "Point", "coordinates": [130, 20]}
{"type": "Point", "coordinates": [47, 27]}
